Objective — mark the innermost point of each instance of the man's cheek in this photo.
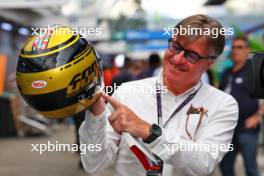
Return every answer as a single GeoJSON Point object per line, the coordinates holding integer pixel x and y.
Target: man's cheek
{"type": "Point", "coordinates": [197, 73]}
{"type": "Point", "coordinates": [193, 71]}
{"type": "Point", "coordinates": [165, 63]}
{"type": "Point", "coordinates": [190, 67]}
{"type": "Point", "coordinates": [168, 55]}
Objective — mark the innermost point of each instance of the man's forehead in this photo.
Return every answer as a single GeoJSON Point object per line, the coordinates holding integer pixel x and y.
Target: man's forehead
{"type": "Point", "coordinates": [199, 44]}
{"type": "Point", "coordinates": [240, 41]}
{"type": "Point", "coordinates": [186, 39]}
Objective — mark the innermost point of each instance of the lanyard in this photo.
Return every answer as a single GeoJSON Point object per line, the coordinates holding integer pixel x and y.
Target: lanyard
{"type": "Point", "coordinates": [159, 107]}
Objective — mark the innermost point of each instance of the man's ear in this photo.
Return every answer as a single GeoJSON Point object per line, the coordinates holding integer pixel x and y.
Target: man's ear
{"type": "Point", "coordinates": [248, 50]}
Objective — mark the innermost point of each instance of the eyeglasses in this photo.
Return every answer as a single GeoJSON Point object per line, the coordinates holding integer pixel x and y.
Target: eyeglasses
{"type": "Point", "coordinates": [238, 47]}
{"type": "Point", "coordinates": [189, 55]}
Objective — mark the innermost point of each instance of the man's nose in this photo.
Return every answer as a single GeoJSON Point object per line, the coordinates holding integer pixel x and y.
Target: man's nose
{"type": "Point", "coordinates": [179, 58]}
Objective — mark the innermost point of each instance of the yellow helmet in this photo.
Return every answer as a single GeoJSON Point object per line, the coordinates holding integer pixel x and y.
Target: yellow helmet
{"type": "Point", "coordinates": [59, 73]}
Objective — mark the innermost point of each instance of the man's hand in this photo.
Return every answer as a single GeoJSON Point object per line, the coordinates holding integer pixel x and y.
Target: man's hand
{"type": "Point", "coordinates": [125, 120]}
{"type": "Point", "coordinates": [252, 121]}
{"type": "Point", "coordinates": [98, 107]}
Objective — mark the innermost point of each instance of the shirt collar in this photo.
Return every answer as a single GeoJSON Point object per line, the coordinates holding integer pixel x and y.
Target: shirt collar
{"type": "Point", "coordinates": [191, 90]}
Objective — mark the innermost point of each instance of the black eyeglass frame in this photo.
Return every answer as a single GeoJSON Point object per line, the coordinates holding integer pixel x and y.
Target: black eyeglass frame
{"type": "Point", "coordinates": [187, 52]}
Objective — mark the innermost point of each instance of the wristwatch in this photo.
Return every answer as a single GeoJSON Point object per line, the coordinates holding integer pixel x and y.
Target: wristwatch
{"type": "Point", "coordinates": [155, 132]}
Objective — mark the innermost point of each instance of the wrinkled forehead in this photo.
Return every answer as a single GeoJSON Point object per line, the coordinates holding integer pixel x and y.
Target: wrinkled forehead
{"type": "Point", "coordinates": [200, 44]}
{"type": "Point", "coordinates": [187, 39]}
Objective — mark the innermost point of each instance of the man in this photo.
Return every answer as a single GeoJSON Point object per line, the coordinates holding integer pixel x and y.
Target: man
{"type": "Point", "coordinates": [246, 133]}
{"type": "Point", "coordinates": [125, 73]}
{"type": "Point", "coordinates": [154, 63]}
{"type": "Point", "coordinates": [189, 113]}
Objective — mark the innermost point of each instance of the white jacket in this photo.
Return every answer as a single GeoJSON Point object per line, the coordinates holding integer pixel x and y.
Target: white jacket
{"type": "Point", "coordinates": [216, 130]}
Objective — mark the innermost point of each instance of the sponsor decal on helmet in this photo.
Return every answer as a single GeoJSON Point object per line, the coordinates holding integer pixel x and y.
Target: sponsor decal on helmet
{"type": "Point", "coordinates": [39, 84]}
{"type": "Point", "coordinates": [41, 41]}
{"type": "Point", "coordinates": [82, 79]}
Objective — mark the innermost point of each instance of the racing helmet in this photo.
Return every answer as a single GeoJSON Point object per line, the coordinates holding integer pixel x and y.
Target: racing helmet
{"type": "Point", "coordinates": [59, 73]}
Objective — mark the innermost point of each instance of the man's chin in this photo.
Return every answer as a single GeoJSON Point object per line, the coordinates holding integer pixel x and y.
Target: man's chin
{"type": "Point", "coordinates": [174, 79]}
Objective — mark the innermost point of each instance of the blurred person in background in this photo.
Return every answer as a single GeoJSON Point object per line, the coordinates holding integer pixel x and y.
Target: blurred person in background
{"type": "Point", "coordinates": [154, 62]}
{"type": "Point", "coordinates": [125, 73]}
{"type": "Point", "coordinates": [129, 72]}
{"type": "Point", "coordinates": [245, 139]}
{"type": "Point", "coordinates": [136, 68]}
{"type": "Point", "coordinates": [110, 72]}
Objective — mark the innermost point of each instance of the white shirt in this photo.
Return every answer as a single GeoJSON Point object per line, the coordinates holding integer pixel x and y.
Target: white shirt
{"type": "Point", "coordinates": [216, 128]}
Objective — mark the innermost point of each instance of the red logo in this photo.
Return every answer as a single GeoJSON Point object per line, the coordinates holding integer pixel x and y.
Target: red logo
{"type": "Point", "coordinates": [39, 84]}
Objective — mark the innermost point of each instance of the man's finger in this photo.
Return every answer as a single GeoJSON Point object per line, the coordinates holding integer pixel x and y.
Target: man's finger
{"type": "Point", "coordinates": [114, 116]}
{"type": "Point", "coordinates": [115, 103]}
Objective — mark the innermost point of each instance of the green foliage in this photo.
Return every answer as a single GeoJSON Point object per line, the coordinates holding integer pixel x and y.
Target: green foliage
{"type": "Point", "coordinates": [256, 43]}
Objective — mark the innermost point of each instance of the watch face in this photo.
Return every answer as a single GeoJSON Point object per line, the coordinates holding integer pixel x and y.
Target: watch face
{"type": "Point", "coordinates": [156, 130]}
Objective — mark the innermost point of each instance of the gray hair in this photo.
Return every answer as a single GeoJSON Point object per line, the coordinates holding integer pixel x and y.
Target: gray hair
{"type": "Point", "coordinates": [199, 24]}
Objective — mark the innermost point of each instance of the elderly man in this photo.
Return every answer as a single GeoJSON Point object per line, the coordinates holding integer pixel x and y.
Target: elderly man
{"type": "Point", "coordinates": [188, 113]}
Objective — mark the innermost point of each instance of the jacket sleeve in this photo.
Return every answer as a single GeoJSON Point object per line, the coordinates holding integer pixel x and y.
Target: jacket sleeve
{"type": "Point", "coordinates": [96, 130]}
{"type": "Point", "coordinates": [200, 157]}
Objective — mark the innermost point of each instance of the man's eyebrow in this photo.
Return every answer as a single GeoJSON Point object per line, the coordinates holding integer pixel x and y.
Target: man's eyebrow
{"type": "Point", "coordinates": [190, 50]}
